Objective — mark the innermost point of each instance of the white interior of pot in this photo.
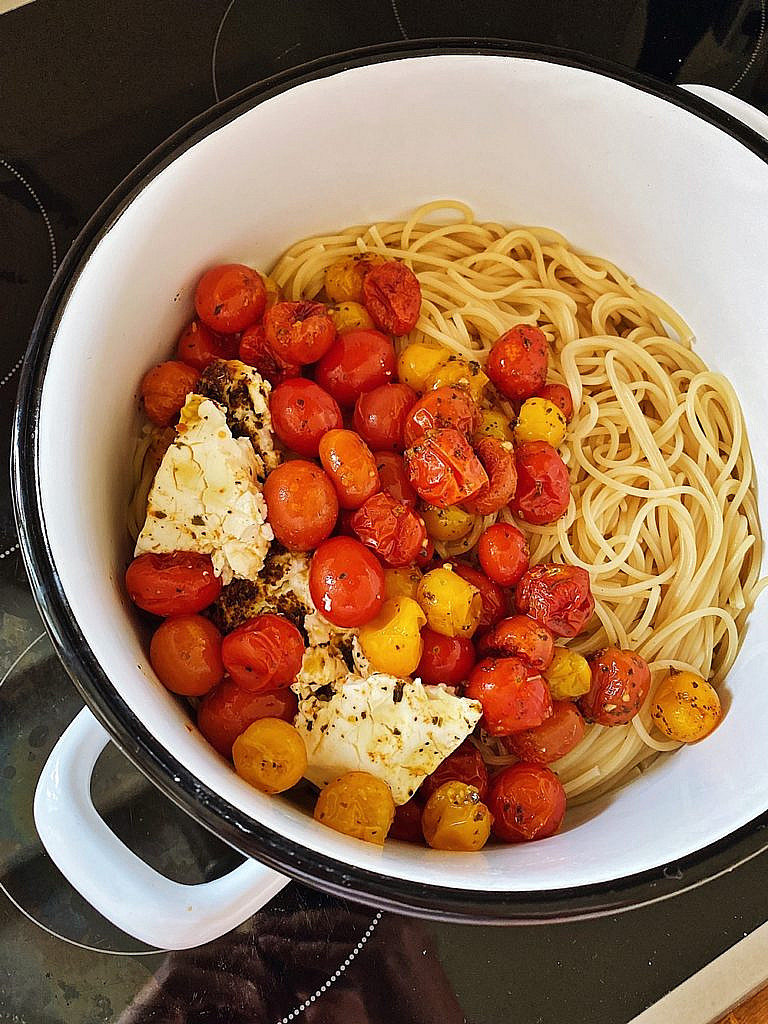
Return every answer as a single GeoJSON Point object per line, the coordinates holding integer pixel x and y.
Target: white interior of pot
{"type": "Point", "coordinates": [668, 197]}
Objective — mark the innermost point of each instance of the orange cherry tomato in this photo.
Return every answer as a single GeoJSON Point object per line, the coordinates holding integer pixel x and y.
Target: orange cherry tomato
{"type": "Point", "coordinates": [448, 406]}
{"type": "Point", "coordinates": [552, 739]}
{"type": "Point", "coordinates": [543, 486]}
{"type": "Point", "coordinates": [228, 710]}
{"type": "Point", "coordinates": [503, 553]}
{"type": "Point", "coordinates": [198, 345]}
{"type": "Point", "coordinates": [394, 479]}
{"type": "Point", "coordinates": [620, 684]}
{"type": "Point", "coordinates": [560, 396]}
{"type": "Point", "coordinates": [557, 596]}
{"type": "Point", "coordinates": [517, 363]}
{"type": "Point", "coordinates": [494, 600]}
{"type": "Point", "coordinates": [392, 295]}
{"type": "Point", "coordinates": [302, 506]}
{"type": "Point", "coordinates": [521, 637]}
{"type": "Point", "coordinates": [511, 698]}
{"type": "Point", "coordinates": [380, 414]}
{"type": "Point", "coordinates": [499, 463]}
{"type": "Point", "coordinates": [350, 464]}
{"type": "Point", "coordinates": [444, 469]}
{"type": "Point", "coordinates": [230, 298]}
{"type": "Point", "coordinates": [185, 652]}
{"type": "Point", "coordinates": [263, 653]}
{"type": "Point", "coordinates": [357, 804]}
{"type": "Point", "coordinates": [445, 659]}
{"type": "Point", "coordinates": [299, 332]}
{"type": "Point", "coordinates": [346, 582]}
{"type": "Point", "coordinates": [455, 818]}
{"type": "Point", "coordinates": [465, 765]}
{"type": "Point", "coordinates": [394, 531]}
{"type": "Point", "coordinates": [256, 351]}
{"type": "Point", "coordinates": [302, 413]}
{"type": "Point", "coordinates": [357, 362]}
{"type": "Point", "coordinates": [178, 583]}
{"type": "Point", "coordinates": [164, 390]}
{"type": "Point", "coordinates": [407, 824]}
{"type": "Point", "coordinates": [527, 802]}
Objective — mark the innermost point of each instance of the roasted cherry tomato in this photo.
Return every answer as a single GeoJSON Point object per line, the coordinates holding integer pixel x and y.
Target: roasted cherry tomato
{"type": "Point", "coordinates": [198, 345]}
{"type": "Point", "coordinates": [357, 362]}
{"type": "Point", "coordinates": [264, 653]}
{"type": "Point", "coordinates": [456, 371]}
{"type": "Point", "coordinates": [494, 423]}
{"type": "Point", "coordinates": [543, 487]}
{"type": "Point", "coordinates": [511, 698]}
{"type": "Point", "coordinates": [350, 316]}
{"type": "Point", "coordinates": [499, 463]}
{"type": "Point", "coordinates": [569, 675]}
{"type": "Point", "coordinates": [445, 659]}
{"type": "Point", "coordinates": [444, 469]}
{"type": "Point", "coordinates": [418, 361]}
{"type": "Point", "coordinates": [302, 413]}
{"type": "Point", "coordinates": [494, 601]}
{"type": "Point", "coordinates": [392, 642]}
{"type": "Point", "coordinates": [465, 765]}
{"type": "Point", "coordinates": [455, 818]}
{"type": "Point", "coordinates": [393, 478]}
{"type": "Point", "coordinates": [620, 684]}
{"type": "Point", "coordinates": [685, 707]}
{"type": "Point", "coordinates": [403, 582]}
{"type": "Point", "coordinates": [447, 524]}
{"type": "Point", "coordinates": [228, 710]}
{"type": "Point", "coordinates": [551, 740]}
{"type": "Point", "coordinates": [178, 583]}
{"type": "Point", "coordinates": [503, 553]}
{"type": "Point", "coordinates": [560, 396]}
{"type": "Point", "coordinates": [164, 390]}
{"type": "Point", "coordinates": [517, 363]}
{"type": "Point", "coordinates": [350, 464]}
{"type": "Point", "coordinates": [394, 531]}
{"type": "Point", "coordinates": [186, 655]}
{"type": "Point", "coordinates": [256, 351]}
{"type": "Point", "coordinates": [230, 298]}
{"type": "Point", "coordinates": [302, 506]}
{"type": "Point", "coordinates": [299, 332]}
{"type": "Point", "coordinates": [527, 802]}
{"type": "Point", "coordinates": [358, 804]}
{"type": "Point", "coordinates": [346, 582]}
{"type": "Point", "coordinates": [380, 416]}
{"type": "Point", "coordinates": [444, 407]}
{"type": "Point", "coordinates": [407, 824]}
{"type": "Point", "coordinates": [557, 596]}
{"type": "Point", "coordinates": [539, 419]}
{"type": "Point", "coordinates": [520, 637]}
{"type": "Point", "coordinates": [453, 607]}
{"type": "Point", "coordinates": [344, 277]}
{"type": "Point", "coordinates": [392, 295]}
{"type": "Point", "coordinates": [270, 755]}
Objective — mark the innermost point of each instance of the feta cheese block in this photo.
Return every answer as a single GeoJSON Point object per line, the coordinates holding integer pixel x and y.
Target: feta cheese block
{"type": "Point", "coordinates": [397, 729]}
{"type": "Point", "coordinates": [206, 497]}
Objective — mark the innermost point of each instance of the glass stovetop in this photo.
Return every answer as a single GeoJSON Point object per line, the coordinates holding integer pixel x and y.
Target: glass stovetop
{"type": "Point", "coordinates": [88, 90]}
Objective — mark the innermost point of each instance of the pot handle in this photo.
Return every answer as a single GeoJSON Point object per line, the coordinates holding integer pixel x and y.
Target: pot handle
{"type": "Point", "coordinates": [117, 883]}
{"type": "Point", "coordinates": [744, 112]}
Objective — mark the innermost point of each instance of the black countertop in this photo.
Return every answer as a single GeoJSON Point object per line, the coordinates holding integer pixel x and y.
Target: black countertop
{"type": "Point", "coordinates": [87, 91]}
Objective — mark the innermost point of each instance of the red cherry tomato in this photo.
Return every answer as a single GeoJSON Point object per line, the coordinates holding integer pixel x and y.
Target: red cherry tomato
{"type": "Point", "coordinates": [179, 583]}
{"type": "Point", "coordinates": [445, 659]}
{"type": "Point", "coordinates": [357, 362]}
{"type": "Point", "coordinates": [302, 413]}
{"type": "Point", "coordinates": [543, 487]}
{"type": "Point", "coordinates": [465, 765]}
{"type": "Point", "coordinates": [226, 712]}
{"type": "Point", "coordinates": [380, 416]}
{"type": "Point", "coordinates": [517, 363]}
{"type": "Point", "coordinates": [393, 478]}
{"type": "Point", "coordinates": [620, 684]}
{"type": "Point", "coordinates": [448, 406]}
{"type": "Point", "coordinates": [264, 653]}
{"type": "Point", "coordinates": [520, 637]}
{"type": "Point", "coordinates": [560, 396]}
{"type": "Point", "coordinates": [552, 739]}
{"type": "Point", "coordinates": [527, 802]}
{"type": "Point", "coordinates": [444, 469]}
{"type": "Point", "coordinates": [299, 332]}
{"type": "Point", "coordinates": [350, 464]}
{"type": "Point", "coordinates": [494, 601]}
{"type": "Point", "coordinates": [512, 699]}
{"type": "Point", "coordinates": [256, 351]}
{"type": "Point", "coordinates": [503, 553]}
{"type": "Point", "coordinates": [394, 531]}
{"type": "Point", "coordinates": [164, 390]}
{"type": "Point", "coordinates": [392, 295]}
{"type": "Point", "coordinates": [346, 582]}
{"type": "Point", "coordinates": [302, 506]}
{"type": "Point", "coordinates": [407, 823]}
{"type": "Point", "coordinates": [499, 463]}
{"type": "Point", "coordinates": [198, 345]}
{"type": "Point", "coordinates": [230, 298]}
{"type": "Point", "coordinates": [557, 596]}
{"type": "Point", "coordinates": [185, 653]}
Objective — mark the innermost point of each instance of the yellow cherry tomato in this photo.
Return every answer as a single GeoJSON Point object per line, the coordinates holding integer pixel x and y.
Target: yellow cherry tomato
{"type": "Point", "coordinates": [358, 804]}
{"type": "Point", "coordinates": [568, 676]}
{"type": "Point", "coordinates": [350, 316]}
{"type": "Point", "coordinates": [418, 360]}
{"type": "Point", "coordinates": [451, 523]}
{"type": "Point", "coordinates": [392, 641]}
{"type": "Point", "coordinates": [540, 420]}
{"type": "Point", "coordinates": [685, 707]}
{"type": "Point", "coordinates": [494, 423]}
{"type": "Point", "coordinates": [452, 606]}
{"type": "Point", "coordinates": [270, 755]}
{"type": "Point", "coordinates": [455, 818]}
{"type": "Point", "coordinates": [462, 373]}
{"type": "Point", "coordinates": [273, 292]}
{"type": "Point", "coordinates": [344, 277]}
{"type": "Point", "coordinates": [401, 582]}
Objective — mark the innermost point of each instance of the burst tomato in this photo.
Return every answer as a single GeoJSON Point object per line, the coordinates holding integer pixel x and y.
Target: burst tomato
{"type": "Point", "coordinates": [494, 601]}
{"type": "Point", "coordinates": [527, 802]}
{"type": "Point", "coordinates": [198, 345]}
{"type": "Point", "coordinates": [394, 531]}
{"type": "Point", "coordinates": [499, 463]}
{"type": "Point", "coordinates": [302, 413]}
{"type": "Point", "coordinates": [264, 653]}
{"type": "Point", "coordinates": [356, 363]}
{"type": "Point", "coordinates": [449, 406]}
{"type": "Point", "coordinates": [520, 637]}
{"type": "Point", "coordinates": [445, 659]}
{"type": "Point", "coordinates": [620, 684]}
{"type": "Point", "coordinates": [517, 363]}
{"type": "Point", "coordinates": [299, 332]}
{"type": "Point", "coordinates": [179, 583]}
{"type": "Point", "coordinates": [164, 390]}
{"type": "Point", "coordinates": [350, 464]}
{"type": "Point", "coordinates": [392, 295]}
{"type": "Point", "coordinates": [185, 653]}
{"type": "Point", "coordinates": [511, 698]}
{"type": "Point", "coordinates": [230, 298]}
{"type": "Point", "coordinates": [346, 582]}
{"type": "Point", "coordinates": [380, 416]}
{"type": "Point", "coordinates": [302, 506]}
{"type": "Point", "coordinates": [503, 553]}
{"type": "Point", "coordinates": [228, 710]}
{"type": "Point", "coordinates": [543, 486]}
{"type": "Point", "coordinates": [256, 351]}
{"type": "Point", "coordinates": [444, 469]}
{"type": "Point", "coordinates": [557, 596]}
{"type": "Point", "coordinates": [393, 478]}
{"type": "Point", "coordinates": [464, 765]}
{"type": "Point", "coordinates": [552, 739]}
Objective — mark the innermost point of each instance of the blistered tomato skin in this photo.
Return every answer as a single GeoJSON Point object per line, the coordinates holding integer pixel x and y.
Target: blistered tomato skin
{"type": "Point", "coordinates": [358, 805]}
{"type": "Point", "coordinates": [418, 360]}
{"type": "Point", "coordinates": [455, 818]}
{"type": "Point", "coordinates": [302, 506]}
{"type": "Point", "coordinates": [344, 277]}
{"type": "Point", "coordinates": [350, 316]}
{"type": "Point", "coordinates": [521, 637]}
{"type": "Point", "coordinates": [302, 413]}
{"type": "Point", "coordinates": [502, 551]}
{"type": "Point", "coordinates": [551, 740]}
{"type": "Point", "coordinates": [264, 653]}
{"type": "Point", "coordinates": [517, 363]}
{"type": "Point", "coordinates": [445, 659]}
{"type": "Point", "coordinates": [444, 407]}
{"type": "Point", "coordinates": [230, 298]}
{"type": "Point", "coordinates": [685, 707]}
{"type": "Point", "coordinates": [356, 363]}
{"type": "Point", "coordinates": [465, 765]}
{"type": "Point", "coordinates": [392, 295]}
{"type": "Point", "coordinates": [350, 464]}
{"type": "Point", "coordinates": [380, 414]}
{"type": "Point", "coordinates": [185, 653]}
{"type": "Point", "coordinates": [557, 596]}
{"type": "Point", "coordinates": [299, 332]}
{"type": "Point", "coordinates": [394, 479]}
{"type": "Point", "coordinates": [499, 463]}
{"type": "Point", "coordinates": [569, 675]}
{"type": "Point", "coordinates": [198, 345]}
{"type": "Point", "coordinates": [346, 582]}
{"type": "Point", "coordinates": [443, 469]}
{"type": "Point", "coordinates": [494, 423]}
{"type": "Point", "coordinates": [512, 699]}
{"type": "Point", "coordinates": [270, 755]}
{"type": "Point", "coordinates": [394, 531]}
{"type": "Point", "coordinates": [178, 583]}
{"type": "Point", "coordinates": [164, 390]}
{"type": "Point", "coordinates": [560, 396]}
{"type": "Point", "coordinates": [620, 684]}
{"type": "Point", "coordinates": [543, 490]}
{"type": "Point", "coordinates": [256, 351]}
{"type": "Point", "coordinates": [228, 710]}
{"type": "Point", "coordinates": [447, 524]}
{"type": "Point", "coordinates": [493, 597]}
{"type": "Point", "coordinates": [527, 802]}
{"type": "Point", "coordinates": [458, 372]}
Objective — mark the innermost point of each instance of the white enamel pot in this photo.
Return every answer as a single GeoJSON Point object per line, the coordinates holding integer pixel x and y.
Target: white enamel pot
{"type": "Point", "coordinates": [660, 181]}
